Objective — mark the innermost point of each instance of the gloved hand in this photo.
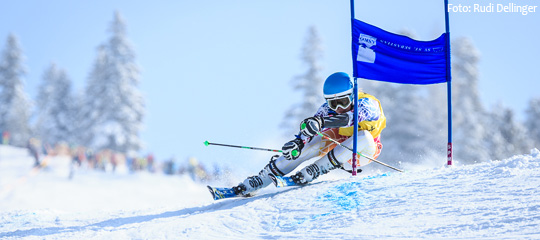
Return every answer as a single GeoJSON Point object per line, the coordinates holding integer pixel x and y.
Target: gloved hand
{"type": "Point", "coordinates": [311, 125]}
{"type": "Point", "coordinates": [292, 149]}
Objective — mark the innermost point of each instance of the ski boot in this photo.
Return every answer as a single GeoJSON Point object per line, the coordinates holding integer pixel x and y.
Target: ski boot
{"type": "Point", "coordinates": [313, 171]}
{"type": "Point", "coordinates": [254, 183]}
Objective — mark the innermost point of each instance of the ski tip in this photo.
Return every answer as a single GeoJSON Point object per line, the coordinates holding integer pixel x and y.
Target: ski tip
{"type": "Point", "coordinates": [273, 178]}
{"type": "Point", "coordinates": [280, 181]}
{"type": "Point", "coordinates": [206, 143]}
{"type": "Point", "coordinates": [212, 191]}
{"type": "Point", "coordinates": [222, 193]}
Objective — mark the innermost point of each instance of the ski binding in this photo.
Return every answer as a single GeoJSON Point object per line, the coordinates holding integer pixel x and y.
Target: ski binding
{"type": "Point", "coordinates": [282, 181]}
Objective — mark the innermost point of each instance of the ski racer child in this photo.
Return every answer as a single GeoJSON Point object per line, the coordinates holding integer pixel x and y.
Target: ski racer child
{"type": "Point", "coordinates": [333, 119]}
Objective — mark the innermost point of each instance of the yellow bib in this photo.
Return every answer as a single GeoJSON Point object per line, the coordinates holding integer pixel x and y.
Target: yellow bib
{"type": "Point", "coordinates": [374, 127]}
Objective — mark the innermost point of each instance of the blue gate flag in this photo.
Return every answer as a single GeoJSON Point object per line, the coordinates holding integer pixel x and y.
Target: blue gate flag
{"type": "Point", "coordinates": [384, 56]}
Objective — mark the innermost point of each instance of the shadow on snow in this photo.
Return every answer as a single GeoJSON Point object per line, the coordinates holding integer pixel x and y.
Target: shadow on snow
{"type": "Point", "coordinates": [119, 222]}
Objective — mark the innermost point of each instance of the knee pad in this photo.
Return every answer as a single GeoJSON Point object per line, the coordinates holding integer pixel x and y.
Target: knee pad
{"type": "Point", "coordinates": [271, 167]}
{"type": "Point", "coordinates": [365, 145]}
{"type": "Point", "coordinates": [333, 160]}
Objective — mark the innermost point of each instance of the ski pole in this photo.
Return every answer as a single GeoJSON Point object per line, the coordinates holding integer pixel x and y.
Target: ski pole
{"type": "Point", "coordinates": [370, 158]}
{"type": "Point", "coordinates": [206, 143]}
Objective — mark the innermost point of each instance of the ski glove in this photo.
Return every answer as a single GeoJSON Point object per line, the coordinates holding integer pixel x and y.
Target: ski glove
{"type": "Point", "coordinates": [292, 149]}
{"type": "Point", "coordinates": [311, 125]}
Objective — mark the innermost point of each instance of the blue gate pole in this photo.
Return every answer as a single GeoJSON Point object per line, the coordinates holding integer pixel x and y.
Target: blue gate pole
{"type": "Point", "coordinates": [355, 101]}
{"type": "Point", "coordinates": [448, 83]}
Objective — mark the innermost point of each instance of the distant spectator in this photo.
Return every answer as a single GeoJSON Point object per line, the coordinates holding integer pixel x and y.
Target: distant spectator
{"type": "Point", "coordinates": [114, 161]}
{"type": "Point", "coordinates": [150, 162]}
{"type": "Point", "coordinates": [79, 156]}
{"type": "Point", "coordinates": [33, 149]}
{"type": "Point", "coordinates": [5, 137]}
{"type": "Point", "coordinates": [169, 168]}
{"type": "Point", "coordinates": [91, 158]}
{"type": "Point", "coordinates": [196, 170]}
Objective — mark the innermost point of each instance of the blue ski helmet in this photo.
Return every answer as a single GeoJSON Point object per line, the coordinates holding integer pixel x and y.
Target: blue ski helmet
{"type": "Point", "coordinates": [337, 84]}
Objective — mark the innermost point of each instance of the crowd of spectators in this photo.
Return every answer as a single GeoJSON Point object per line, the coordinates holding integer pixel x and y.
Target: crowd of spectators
{"type": "Point", "coordinates": [106, 160]}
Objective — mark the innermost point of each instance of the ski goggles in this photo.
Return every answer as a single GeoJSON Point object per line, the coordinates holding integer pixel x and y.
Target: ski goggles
{"type": "Point", "coordinates": [343, 101]}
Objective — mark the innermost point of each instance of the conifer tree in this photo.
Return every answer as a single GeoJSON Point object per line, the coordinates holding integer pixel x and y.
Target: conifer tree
{"type": "Point", "coordinates": [532, 121]}
{"type": "Point", "coordinates": [114, 106]}
{"type": "Point", "coordinates": [55, 107]}
{"type": "Point", "coordinates": [404, 138]}
{"type": "Point", "coordinates": [14, 104]}
{"type": "Point", "coordinates": [309, 84]}
{"type": "Point", "coordinates": [508, 136]}
{"type": "Point", "coordinates": [469, 116]}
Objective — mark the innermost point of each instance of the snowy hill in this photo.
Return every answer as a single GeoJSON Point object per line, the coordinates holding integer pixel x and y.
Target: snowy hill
{"type": "Point", "coordinates": [494, 200]}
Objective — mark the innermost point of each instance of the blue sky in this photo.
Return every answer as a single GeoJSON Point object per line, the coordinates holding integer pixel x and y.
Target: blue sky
{"type": "Point", "coordinates": [221, 70]}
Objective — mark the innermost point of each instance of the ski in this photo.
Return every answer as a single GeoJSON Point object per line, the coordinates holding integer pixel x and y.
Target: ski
{"type": "Point", "coordinates": [222, 193]}
{"type": "Point", "coordinates": [280, 181]}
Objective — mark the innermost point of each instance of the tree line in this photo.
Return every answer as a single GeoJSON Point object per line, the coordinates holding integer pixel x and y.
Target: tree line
{"type": "Point", "coordinates": [106, 114]}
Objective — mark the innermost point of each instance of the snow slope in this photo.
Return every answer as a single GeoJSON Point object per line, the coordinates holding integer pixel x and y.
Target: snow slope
{"type": "Point", "coordinates": [493, 200]}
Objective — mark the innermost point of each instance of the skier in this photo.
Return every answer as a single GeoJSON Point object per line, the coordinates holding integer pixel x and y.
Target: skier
{"type": "Point", "coordinates": [333, 119]}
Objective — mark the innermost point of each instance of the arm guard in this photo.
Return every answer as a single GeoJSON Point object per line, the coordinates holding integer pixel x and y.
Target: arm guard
{"type": "Point", "coordinates": [336, 121]}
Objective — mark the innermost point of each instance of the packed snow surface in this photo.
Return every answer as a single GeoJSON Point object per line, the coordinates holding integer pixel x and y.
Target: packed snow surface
{"type": "Point", "coordinates": [493, 200]}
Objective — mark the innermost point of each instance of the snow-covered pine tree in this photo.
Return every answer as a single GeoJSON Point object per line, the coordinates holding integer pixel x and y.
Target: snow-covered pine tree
{"type": "Point", "coordinates": [404, 139]}
{"type": "Point", "coordinates": [508, 136]}
{"type": "Point", "coordinates": [14, 104]}
{"type": "Point", "coordinates": [308, 84]}
{"type": "Point", "coordinates": [437, 112]}
{"type": "Point", "coordinates": [532, 121]}
{"type": "Point", "coordinates": [55, 107]}
{"type": "Point", "coordinates": [93, 100]}
{"type": "Point", "coordinates": [114, 106]}
{"type": "Point", "coordinates": [469, 116]}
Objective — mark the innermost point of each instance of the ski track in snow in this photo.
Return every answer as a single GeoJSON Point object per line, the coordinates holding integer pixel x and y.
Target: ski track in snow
{"type": "Point", "coordinates": [491, 200]}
